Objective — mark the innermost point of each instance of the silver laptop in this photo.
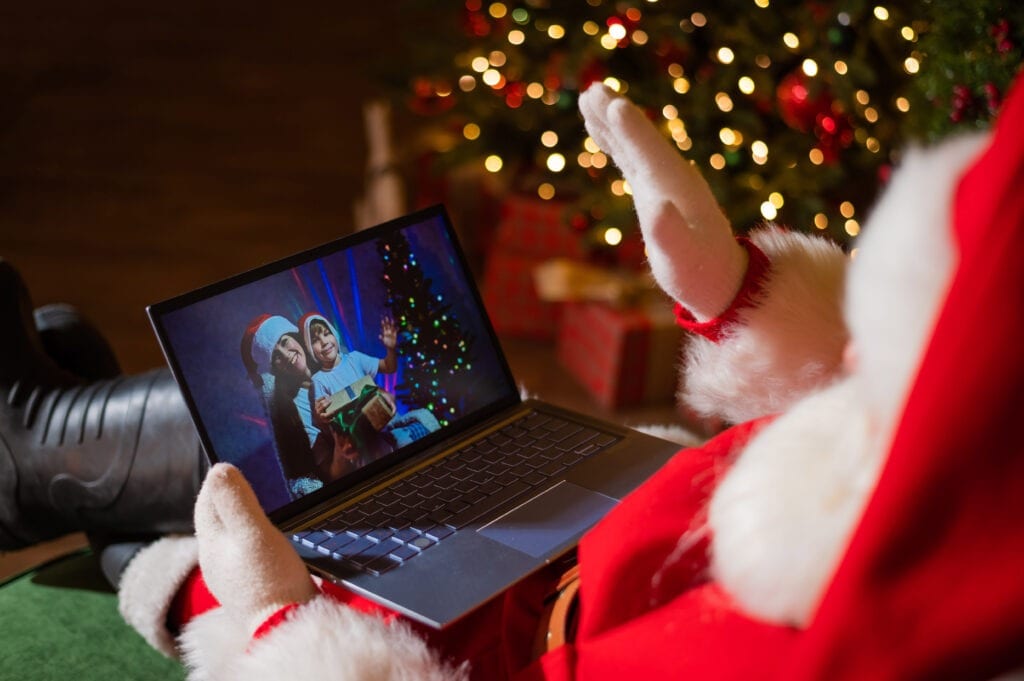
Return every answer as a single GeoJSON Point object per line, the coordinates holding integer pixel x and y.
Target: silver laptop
{"type": "Point", "coordinates": [415, 476]}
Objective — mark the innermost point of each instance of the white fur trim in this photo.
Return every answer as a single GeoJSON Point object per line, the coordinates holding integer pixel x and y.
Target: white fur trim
{"type": "Point", "coordinates": [149, 584]}
{"type": "Point", "coordinates": [788, 345]}
{"type": "Point", "coordinates": [902, 271]}
{"type": "Point", "coordinates": [266, 337]}
{"type": "Point", "coordinates": [214, 641]}
{"type": "Point", "coordinates": [672, 433]}
{"type": "Point", "coordinates": [322, 639]}
{"type": "Point", "coordinates": [782, 516]}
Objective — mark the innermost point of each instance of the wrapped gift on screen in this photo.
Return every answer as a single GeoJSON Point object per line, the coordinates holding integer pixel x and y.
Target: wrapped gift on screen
{"type": "Point", "coordinates": [623, 356]}
{"type": "Point", "coordinates": [364, 401]}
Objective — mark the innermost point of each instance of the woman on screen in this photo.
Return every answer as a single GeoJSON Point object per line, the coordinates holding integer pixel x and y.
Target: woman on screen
{"type": "Point", "coordinates": [279, 367]}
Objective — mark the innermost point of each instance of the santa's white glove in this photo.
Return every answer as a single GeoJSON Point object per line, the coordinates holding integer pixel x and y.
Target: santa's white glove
{"type": "Point", "coordinates": [693, 254]}
{"type": "Point", "coordinates": [247, 563]}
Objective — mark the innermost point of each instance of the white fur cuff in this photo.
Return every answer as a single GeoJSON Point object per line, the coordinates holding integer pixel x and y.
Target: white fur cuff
{"type": "Point", "coordinates": [149, 585]}
{"type": "Point", "coordinates": [321, 639]}
{"type": "Point", "coordinates": [787, 345]}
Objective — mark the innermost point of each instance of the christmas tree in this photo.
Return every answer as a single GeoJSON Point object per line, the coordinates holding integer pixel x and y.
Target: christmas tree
{"type": "Point", "coordinates": [795, 111]}
{"type": "Point", "coordinates": [431, 343]}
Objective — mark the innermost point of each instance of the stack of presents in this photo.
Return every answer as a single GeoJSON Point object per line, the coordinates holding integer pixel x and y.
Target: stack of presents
{"type": "Point", "coordinates": [614, 333]}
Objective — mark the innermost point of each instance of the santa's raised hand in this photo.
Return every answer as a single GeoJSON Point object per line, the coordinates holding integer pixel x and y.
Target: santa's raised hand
{"type": "Point", "coordinates": [690, 243]}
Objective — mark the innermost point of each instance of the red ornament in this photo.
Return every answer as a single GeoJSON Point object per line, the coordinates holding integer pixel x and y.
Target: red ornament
{"type": "Point", "coordinates": [993, 98]}
{"type": "Point", "coordinates": [801, 103]}
{"type": "Point", "coordinates": [834, 132]}
{"type": "Point", "coordinates": [1000, 32]}
{"type": "Point", "coordinates": [579, 222]}
{"type": "Point", "coordinates": [962, 104]}
{"type": "Point", "coordinates": [426, 100]}
{"type": "Point", "coordinates": [593, 71]}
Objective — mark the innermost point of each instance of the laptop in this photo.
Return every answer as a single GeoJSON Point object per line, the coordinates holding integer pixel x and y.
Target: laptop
{"type": "Point", "coordinates": [429, 485]}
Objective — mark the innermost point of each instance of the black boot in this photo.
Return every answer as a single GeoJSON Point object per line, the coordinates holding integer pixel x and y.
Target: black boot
{"type": "Point", "coordinates": [74, 343]}
{"type": "Point", "coordinates": [117, 456]}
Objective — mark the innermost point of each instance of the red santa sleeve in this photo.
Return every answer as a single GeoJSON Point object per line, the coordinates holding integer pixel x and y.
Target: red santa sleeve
{"type": "Point", "coordinates": [931, 586]}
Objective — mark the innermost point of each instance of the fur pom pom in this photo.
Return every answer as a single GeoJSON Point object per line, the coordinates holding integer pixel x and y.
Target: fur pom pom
{"type": "Point", "coordinates": [900, 277]}
{"type": "Point", "coordinates": [321, 639]}
{"type": "Point", "coordinates": [781, 518]}
{"type": "Point", "coordinates": [782, 349]}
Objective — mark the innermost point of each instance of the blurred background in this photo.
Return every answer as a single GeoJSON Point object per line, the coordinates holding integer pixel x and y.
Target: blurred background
{"type": "Point", "coordinates": [147, 149]}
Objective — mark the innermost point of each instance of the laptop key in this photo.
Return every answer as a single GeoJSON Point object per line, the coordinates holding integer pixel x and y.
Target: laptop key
{"type": "Point", "coordinates": [381, 565]}
{"type": "Point", "coordinates": [406, 535]}
{"type": "Point", "coordinates": [439, 516]}
{"type": "Point", "coordinates": [457, 506]}
{"type": "Point", "coordinates": [404, 553]}
{"type": "Point", "coordinates": [489, 504]}
{"type": "Point", "coordinates": [379, 534]}
{"type": "Point", "coordinates": [352, 550]}
{"type": "Point", "coordinates": [567, 430]}
{"type": "Point", "coordinates": [440, 532]}
{"type": "Point", "coordinates": [552, 468]}
{"type": "Point", "coordinates": [576, 440]}
{"type": "Point", "coordinates": [334, 544]}
{"type": "Point", "coordinates": [570, 459]}
{"type": "Point", "coordinates": [534, 420]}
{"type": "Point", "coordinates": [422, 543]}
{"type": "Point", "coordinates": [533, 479]}
{"type": "Point", "coordinates": [374, 552]}
{"type": "Point", "coordinates": [314, 539]}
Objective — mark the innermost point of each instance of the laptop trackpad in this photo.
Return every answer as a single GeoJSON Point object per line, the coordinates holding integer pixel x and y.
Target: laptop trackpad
{"type": "Point", "coordinates": [549, 520]}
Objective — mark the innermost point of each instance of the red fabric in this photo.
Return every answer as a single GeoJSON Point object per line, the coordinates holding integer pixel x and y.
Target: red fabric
{"type": "Point", "coordinates": [647, 607]}
{"type": "Point", "coordinates": [932, 586]}
{"type": "Point", "coordinates": [278, 617]}
{"type": "Point", "coordinates": [193, 599]}
{"type": "Point", "coordinates": [758, 269]}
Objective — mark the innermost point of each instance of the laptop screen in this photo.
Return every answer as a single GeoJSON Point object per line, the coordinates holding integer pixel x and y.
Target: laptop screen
{"type": "Point", "coordinates": [315, 372]}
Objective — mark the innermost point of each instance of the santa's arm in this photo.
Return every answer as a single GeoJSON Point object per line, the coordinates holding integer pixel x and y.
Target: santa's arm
{"type": "Point", "coordinates": [765, 313]}
{"type": "Point", "coordinates": [267, 619]}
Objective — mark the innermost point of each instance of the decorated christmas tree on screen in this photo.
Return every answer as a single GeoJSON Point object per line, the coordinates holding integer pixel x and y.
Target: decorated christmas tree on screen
{"type": "Point", "coordinates": [433, 347]}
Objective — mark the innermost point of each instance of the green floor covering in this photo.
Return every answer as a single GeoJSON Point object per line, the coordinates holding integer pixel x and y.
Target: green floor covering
{"type": "Point", "coordinates": [61, 622]}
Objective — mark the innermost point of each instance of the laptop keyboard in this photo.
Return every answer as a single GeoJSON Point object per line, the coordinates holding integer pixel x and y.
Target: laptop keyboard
{"type": "Point", "coordinates": [411, 516]}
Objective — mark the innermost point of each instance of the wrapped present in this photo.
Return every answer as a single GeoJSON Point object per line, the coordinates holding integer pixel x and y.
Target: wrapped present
{"type": "Point", "coordinates": [360, 401]}
{"type": "Point", "coordinates": [532, 226]}
{"type": "Point", "coordinates": [511, 299]}
{"type": "Point", "coordinates": [529, 233]}
{"type": "Point", "coordinates": [624, 357]}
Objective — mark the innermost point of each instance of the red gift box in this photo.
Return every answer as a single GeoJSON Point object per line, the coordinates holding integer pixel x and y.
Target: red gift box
{"type": "Point", "coordinates": [511, 300]}
{"type": "Point", "coordinates": [624, 357]}
{"type": "Point", "coordinates": [530, 232]}
{"type": "Point", "coordinates": [536, 227]}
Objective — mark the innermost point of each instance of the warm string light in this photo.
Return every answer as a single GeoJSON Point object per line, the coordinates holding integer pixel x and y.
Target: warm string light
{"type": "Point", "coordinates": [623, 30]}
